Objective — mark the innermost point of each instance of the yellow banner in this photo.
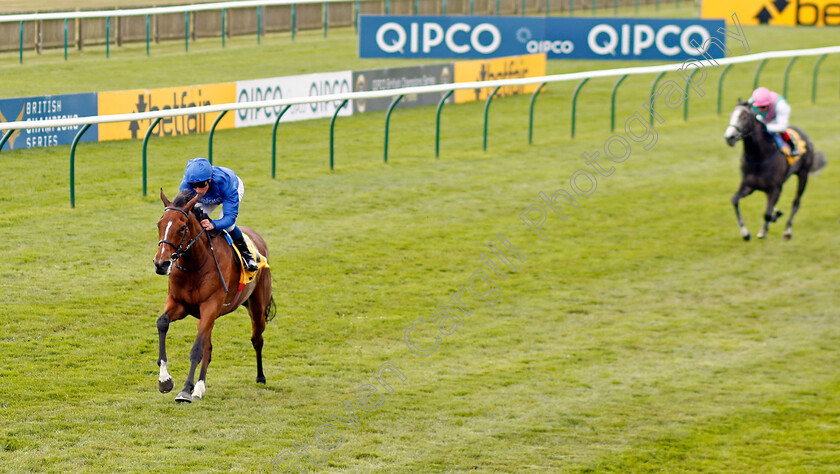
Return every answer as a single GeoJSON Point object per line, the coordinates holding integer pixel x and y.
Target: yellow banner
{"type": "Point", "coordinates": [775, 12]}
{"type": "Point", "coordinates": [531, 65]}
{"type": "Point", "coordinates": [142, 100]}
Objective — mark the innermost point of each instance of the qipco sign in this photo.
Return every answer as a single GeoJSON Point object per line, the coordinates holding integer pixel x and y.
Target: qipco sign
{"type": "Point", "coordinates": [420, 38]}
{"type": "Point", "coordinates": [635, 40]}
{"type": "Point", "coordinates": [459, 37]}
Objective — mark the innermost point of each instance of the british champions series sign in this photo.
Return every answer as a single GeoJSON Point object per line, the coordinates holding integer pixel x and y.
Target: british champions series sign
{"type": "Point", "coordinates": [385, 36]}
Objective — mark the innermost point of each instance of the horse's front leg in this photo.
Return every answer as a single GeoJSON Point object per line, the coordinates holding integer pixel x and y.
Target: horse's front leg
{"type": "Point", "coordinates": [803, 181]}
{"type": "Point", "coordinates": [742, 192]}
{"type": "Point", "coordinates": [770, 212]}
{"type": "Point", "coordinates": [201, 352]}
{"type": "Point", "coordinates": [171, 312]}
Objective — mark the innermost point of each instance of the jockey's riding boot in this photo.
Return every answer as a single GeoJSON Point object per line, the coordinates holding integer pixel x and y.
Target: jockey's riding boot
{"type": "Point", "coordinates": [247, 258]}
{"type": "Point", "coordinates": [794, 150]}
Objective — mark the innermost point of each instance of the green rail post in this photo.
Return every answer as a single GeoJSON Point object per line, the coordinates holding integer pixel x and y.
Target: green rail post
{"type": "Point", "coordinates": [571, 7]}
{"type": "Point", "coordinates": [813, 81]}
{"type": "Point", "coordinates": [387, 7]}
{"type": "Point", "coordinates": [652, 92]}
{"type": "Point", "coordinates": [6, 138]}
{"type": "Point", "coordinates": [145, 146]}
{"type": "Point", "coordinates": [21, 42]}
{"type": "Point", "coordinates": [594, 6]}
{"type": "Point", "coordinates": [574, 102]}
{"type": "Point", "coordinates": [445, 7]}
{"type": "Point", "coordinates": [274, 140]}
{"type": "Point", "coordinates": [612, 101]}
{"type": "Point", "coordinates": [720, 87]}
{"type": "Point", "coordinates": [787, 76]}
{"type": "Point", "coordinates": [356, 18]}
{"type": "Point", "coordinates": [223, 27]}
{"type": "Point", "coordinates": [547, 7]}
{"type": "Point", "coordinates": [637, 6]}
{"type": "Point", "coordinates": [147, 35]}
{"type": "Point", "coordinates": [531, 114]}
{"type": "Point", "coordinates": [65, 39]}
{"type": "Point", "coordinates": [326, 16]}
{"type": "Point", "coordinates": [186, 31]}
{"type": "Point", "coordinates": [259, 23]}
{"type": "Point", "coordinates": [758, 73]}
{"type": "Point", "coordinates": [437, 122]}
{"type": "Point", "coordinates": [73, 164]}
{"type": "Point", "coordinates": [498, 7]}
{"type": "Point", "coordinates": [108, 37]}
{"type": "Point", "coordinates": [388, 123]}
{"type": "Point", "coordinates": [486, 113]}
{"type": "Point", "coordinates": [416, 6]}
{"type": "Point", "coordinates": [294, 20]}
{"type": "Point", "coordinates": [615, 7]}
{"type": "Point", "coordinates": [332, 134]}
{"type": "Point", "coordinates": [213, 132]}
{"type": "Point", "coordinates": [472, 7]}
{"type": "Point", "coordinates": [523, 7]}
{"type": "Point", "coordinates": [685, 110]}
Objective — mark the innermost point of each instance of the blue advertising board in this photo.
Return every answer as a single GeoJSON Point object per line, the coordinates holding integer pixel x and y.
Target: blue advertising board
{"type": "Point", "coordinates": [388, 36]}
{"type": "Point", "coordinates": [48, 108]}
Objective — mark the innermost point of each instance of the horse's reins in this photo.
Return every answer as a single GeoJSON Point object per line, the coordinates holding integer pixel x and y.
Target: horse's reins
{"type": "Point", "coordinates": [178, 253]}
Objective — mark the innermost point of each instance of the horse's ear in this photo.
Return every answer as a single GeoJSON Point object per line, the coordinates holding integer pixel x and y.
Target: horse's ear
{"type": "Point", "coordinates": [741, 102]}
{"type": "Point", "coordinates": [166, 202]}
{"type": "Point", "coordinates": [192, 202]}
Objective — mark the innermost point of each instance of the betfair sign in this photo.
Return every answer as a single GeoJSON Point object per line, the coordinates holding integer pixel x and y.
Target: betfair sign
{"type": "Point", "coordinates": [776, 12]}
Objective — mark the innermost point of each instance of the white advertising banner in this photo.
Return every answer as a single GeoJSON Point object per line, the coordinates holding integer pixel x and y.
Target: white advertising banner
{"type": "Point", "coordinates": [308, 85]}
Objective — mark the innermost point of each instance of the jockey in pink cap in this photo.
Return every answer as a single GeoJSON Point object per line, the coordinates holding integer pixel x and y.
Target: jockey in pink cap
{"type": "Point", "coordinates": [773, 111]}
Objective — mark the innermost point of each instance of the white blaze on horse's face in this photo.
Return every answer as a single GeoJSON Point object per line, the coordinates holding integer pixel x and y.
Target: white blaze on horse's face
{"type": "Point", "coordinates": [166, 232]}
{"type": "Point", "coordinates": [734, 120]}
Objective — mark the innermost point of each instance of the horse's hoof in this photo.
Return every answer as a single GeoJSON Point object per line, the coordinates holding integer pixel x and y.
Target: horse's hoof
{"type": "Point", "coordinates": [184, 396]}
{"type": "Point", "coordinates": [261, 380]}
{"type": "Point", "coordinates": [166, 386]}
{"type": "Point", "coordinates": [761, 235]}
{"type": "Point", "coordinates": [747, 237]}
{"type": "Point", "coordinates": [787, 235]}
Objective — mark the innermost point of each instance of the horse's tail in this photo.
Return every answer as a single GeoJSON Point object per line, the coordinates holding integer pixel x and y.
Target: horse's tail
{"type": "Point", "coordinates": [271, 311]}
{"type": "Point", "coordinates": [819, 163]}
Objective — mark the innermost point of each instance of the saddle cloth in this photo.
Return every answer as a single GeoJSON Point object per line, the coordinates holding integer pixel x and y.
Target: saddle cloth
{"type": "Point", "coordinates": [800, 143]}
{"type": "Point", "coordinates": [245, 276]}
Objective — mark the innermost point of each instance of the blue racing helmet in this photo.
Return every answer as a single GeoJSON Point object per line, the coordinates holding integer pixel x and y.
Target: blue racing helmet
{"type": "Point", "coordinates": [198, 170]}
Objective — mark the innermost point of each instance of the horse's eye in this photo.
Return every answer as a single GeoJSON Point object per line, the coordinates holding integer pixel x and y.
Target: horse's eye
{"type": "Point", "coordinates": [184, 229]}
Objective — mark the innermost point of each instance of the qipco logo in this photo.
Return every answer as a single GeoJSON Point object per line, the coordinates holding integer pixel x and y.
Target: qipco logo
{"type": "Point", "coordinates": [669, 40]}
{"type": "Point", "coordinates": [556, 47]}
{"type": "Point", "coordinates": [459, 38]}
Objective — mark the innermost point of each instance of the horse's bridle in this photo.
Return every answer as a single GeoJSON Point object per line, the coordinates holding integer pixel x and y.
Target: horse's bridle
{"type": "Point", "coordinates": [178, 253]}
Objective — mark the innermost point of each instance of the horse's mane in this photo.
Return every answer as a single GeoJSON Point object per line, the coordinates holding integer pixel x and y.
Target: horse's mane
{"type": "Point", "coordinates": [183, 198]}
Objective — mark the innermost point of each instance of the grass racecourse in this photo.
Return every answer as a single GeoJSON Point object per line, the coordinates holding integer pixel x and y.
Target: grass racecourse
{"type": "Point", "coordinates": [641, 335]}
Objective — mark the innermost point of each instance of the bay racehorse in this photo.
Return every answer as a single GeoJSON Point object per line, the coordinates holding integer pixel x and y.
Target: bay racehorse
{"type": "Point", "coordinates": [764, 167]}
{"type": "Point", "coordinates": [204, 282]}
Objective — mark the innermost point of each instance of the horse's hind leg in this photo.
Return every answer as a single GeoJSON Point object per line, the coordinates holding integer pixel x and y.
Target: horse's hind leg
{"type": "Point", "coordinates": [742, 192]}
{"type": "Point", "coordinates": [770, 212]}
{"type": "Point", "coordinates": [258, 307]}
{"type": "Point", "coordinates": [802, 177]}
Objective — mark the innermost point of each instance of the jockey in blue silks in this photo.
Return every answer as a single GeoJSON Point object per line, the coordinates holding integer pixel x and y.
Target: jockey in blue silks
{"type": "Point", "coordinates": [218, 185]}
{"type": "Point", "coordinates": [774, 112]}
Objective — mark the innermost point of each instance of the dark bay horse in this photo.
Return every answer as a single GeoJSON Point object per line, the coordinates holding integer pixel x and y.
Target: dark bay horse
{"type": "Point", "coordinates": [764, 167]}
{"type": "Point", "coordinates": [196, 264]}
